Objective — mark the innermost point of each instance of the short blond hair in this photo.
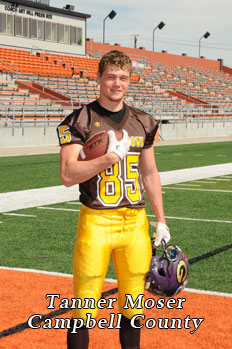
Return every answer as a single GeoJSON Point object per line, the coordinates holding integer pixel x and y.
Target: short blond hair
{"type": "Point", "coordinates": [115, 57]}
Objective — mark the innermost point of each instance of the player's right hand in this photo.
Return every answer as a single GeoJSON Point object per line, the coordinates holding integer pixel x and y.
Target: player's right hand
{"type": "Point", "coordinates": [118, 147]}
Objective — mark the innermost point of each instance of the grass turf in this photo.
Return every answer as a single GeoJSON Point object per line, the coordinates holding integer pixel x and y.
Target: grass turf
{"type": "Point", "coordinates": [38, 171]}
{"type": "Point", "coordinates": [29, 172]}
{"type": "Point", "coordinates": [46, 241]}
{"type": "Point", "coordinates": [192, 155]}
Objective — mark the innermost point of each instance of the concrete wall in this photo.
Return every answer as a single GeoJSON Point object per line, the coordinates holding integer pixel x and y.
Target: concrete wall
{"type": "Point", "coordinates": [30, 135]}
{"type": "Point", "coordinates": [41, 135]}
{"type": "Point", "coordinates": [196, 129]}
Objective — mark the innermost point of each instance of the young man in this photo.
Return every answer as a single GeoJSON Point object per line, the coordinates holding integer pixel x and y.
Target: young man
{"type": "Point", "coordinates": [112, 218]}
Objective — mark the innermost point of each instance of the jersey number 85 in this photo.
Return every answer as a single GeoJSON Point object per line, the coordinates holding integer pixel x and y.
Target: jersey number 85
{"type": "Point", "coordinates": [111, 188]}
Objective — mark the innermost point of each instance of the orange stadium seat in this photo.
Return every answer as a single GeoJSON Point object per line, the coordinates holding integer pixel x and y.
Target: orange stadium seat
{"type": "Point", "coordinates": [157, 86]}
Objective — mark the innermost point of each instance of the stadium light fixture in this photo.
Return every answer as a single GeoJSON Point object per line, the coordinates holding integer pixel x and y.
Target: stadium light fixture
{"type": "Point", "coordinates": [159, 26]}
{"type": "Point", "coordinates": [206, 35]}
{"type": "Point", "coordinates": [111, 15]}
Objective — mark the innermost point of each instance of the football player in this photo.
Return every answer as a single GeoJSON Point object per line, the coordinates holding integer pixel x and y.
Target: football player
{"type": "Point", "coordinates": [112, 219]}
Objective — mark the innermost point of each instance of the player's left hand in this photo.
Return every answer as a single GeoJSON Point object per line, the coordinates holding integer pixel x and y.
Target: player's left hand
{"type": "Point", "coordinates": [118, 147]}
{"type": "Point", "coordinates": [162, 233]}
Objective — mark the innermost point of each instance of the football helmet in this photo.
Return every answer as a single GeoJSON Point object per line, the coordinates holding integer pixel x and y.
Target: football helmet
{"type": "Point", "coordinates": [168, 273]}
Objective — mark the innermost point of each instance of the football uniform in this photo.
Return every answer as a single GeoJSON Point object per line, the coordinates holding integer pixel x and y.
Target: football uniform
{"type": "Point", "coordinates": [112, 218]}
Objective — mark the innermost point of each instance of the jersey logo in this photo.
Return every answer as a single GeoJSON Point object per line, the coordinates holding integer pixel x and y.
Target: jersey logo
{"type": "Point", "coordinates": [137, 141]}
{"type": "Point", "coordinates": [181, 272]}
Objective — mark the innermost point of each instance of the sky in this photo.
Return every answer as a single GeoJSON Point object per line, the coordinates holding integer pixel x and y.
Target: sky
{"type": "Point", "coordinates": [185, 24]}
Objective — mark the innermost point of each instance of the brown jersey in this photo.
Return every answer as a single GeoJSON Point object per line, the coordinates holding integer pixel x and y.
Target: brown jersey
{"type": "Point", "coordinates": [119, 185]}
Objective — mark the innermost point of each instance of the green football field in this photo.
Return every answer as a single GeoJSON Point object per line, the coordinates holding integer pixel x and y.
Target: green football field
{"type": "Point", "coordinates": [197, 212]}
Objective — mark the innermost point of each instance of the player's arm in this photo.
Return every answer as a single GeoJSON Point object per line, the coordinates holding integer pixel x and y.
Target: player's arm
{"type": "Point", "coordinates": [151, 182]}
{"type": "Point", "coordinates": [73, 171]}
{"type": "Point", "coordinates": [152, 186]}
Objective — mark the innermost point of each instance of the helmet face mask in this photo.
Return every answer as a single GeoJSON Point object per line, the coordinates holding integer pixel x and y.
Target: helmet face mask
{"type": "Point", "coordinates": [168, 273]}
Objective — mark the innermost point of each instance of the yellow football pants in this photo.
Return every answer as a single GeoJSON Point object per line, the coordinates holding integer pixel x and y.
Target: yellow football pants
{"type": "Point", "coordinates": [122, 233]}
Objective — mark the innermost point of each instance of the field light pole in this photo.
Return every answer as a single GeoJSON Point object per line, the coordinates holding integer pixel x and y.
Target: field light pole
{"type": "Point", "coordinates": [206, 35]}
{"type": "Point", "coordinates": [160, 26]}
{"type": "Point", "coordinates": [111, 15]}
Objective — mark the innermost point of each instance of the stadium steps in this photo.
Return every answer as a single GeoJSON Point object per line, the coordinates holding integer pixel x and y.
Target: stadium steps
{"type": "Point", "coordinates": [45, 92]}
{"type": "Point", "coordinates": [150, 87]}
{"type": "Point", "coordinates": [17, 103]}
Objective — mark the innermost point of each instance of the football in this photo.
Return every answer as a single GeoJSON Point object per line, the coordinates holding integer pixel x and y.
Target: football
{"type": "Point", "coordinates": [96, 146]}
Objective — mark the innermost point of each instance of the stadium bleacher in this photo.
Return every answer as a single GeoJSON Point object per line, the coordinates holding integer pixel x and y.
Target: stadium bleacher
{"type": "Point", "coordinates": [180, 91]}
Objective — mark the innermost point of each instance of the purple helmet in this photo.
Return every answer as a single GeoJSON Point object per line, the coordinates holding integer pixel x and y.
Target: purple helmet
{"type": "Point", "coordinates": [168, 274]}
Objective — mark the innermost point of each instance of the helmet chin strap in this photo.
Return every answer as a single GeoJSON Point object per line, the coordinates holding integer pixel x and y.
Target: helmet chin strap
{"type": "Point", "coordinates": [163, 247]}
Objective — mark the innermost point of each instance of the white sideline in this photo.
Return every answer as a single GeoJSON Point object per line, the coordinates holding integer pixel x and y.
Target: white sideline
{"type": "Point", "coordinates": [19, 214]}
{"type": "Point", "coordinates": [36, 197]}
{"type": "Point", "coordinates": [189, 174]}
{"type": "Point", "coordinates": [222, 294]}
{"type": "Point", "coordinates": [45, 196]}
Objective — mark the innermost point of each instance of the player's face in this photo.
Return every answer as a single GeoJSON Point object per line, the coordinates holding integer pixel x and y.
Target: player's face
{"type": "Point", "coordinates": [114, 83]}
